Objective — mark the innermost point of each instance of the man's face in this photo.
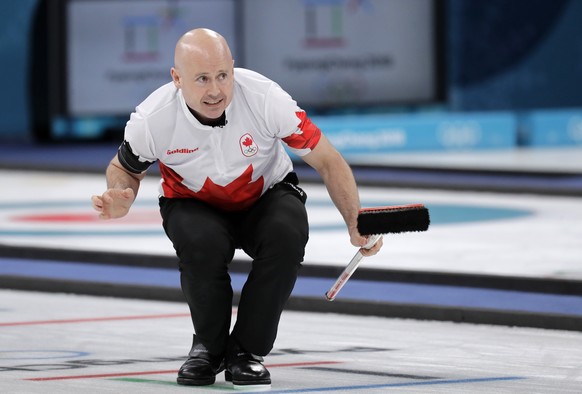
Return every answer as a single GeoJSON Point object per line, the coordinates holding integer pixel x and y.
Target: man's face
{"type": "Point", "coordinates": [207, 84]}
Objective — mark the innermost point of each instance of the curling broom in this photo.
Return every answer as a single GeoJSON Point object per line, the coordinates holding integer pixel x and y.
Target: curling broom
{"type": "Point", "coordinates": [377, 221]}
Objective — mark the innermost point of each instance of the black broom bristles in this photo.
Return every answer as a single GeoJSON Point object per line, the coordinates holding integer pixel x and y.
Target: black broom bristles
{"type": "Point", "coordinates": [393, 219]}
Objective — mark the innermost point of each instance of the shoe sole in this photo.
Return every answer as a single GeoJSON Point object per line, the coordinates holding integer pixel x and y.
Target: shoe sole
{"type": "Point", "coordinates": [247, 384]}
{"type": "Point", "coordinates": [195, 382]}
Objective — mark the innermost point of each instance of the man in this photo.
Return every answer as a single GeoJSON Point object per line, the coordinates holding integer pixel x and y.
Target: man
{"type": "Point", "coordinates": [217, 133]}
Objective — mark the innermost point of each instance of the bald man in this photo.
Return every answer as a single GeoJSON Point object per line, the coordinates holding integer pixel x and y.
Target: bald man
{"type": "Point", "coordinates": [218, 135]}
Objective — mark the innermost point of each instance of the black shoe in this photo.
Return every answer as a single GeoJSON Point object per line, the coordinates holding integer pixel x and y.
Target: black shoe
{"type": "Point", "coordinates": [245, 369]}
{"type": "Point", "coordinates": [201, 367]}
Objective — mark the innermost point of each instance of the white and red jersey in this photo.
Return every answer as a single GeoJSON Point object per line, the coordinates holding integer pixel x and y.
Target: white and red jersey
{"type": "Point", "coordinates": [229, 166]}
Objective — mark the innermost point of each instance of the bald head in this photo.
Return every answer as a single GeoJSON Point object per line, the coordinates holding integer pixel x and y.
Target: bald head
{"type": "Point", "coordinates": [204, 72]}
{"type": "Point", "coordinates": [202, 44]}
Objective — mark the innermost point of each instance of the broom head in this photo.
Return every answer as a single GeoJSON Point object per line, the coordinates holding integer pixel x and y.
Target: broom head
{"type": "Point", "coordinates": [393, 219]}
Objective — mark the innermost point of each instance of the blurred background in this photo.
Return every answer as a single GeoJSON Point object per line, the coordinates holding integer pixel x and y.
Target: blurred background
{"type": "Point", "coordinates": [379, 76]}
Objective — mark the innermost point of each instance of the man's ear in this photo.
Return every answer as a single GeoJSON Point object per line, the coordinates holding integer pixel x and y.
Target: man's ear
{"type": "Point", "coordinates": [175, 77]}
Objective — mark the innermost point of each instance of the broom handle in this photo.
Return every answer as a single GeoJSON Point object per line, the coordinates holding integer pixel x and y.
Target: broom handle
{"type": "Point", "coordinates": [350, 269]}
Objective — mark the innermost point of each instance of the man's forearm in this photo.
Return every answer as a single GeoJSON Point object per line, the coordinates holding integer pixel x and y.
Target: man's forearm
{"type": "Point", "coordinates": [339, 180]}
{"type": "Point", "coordinates": [118, 178]}
{"type": "Point", "coordinates": [342, 189]}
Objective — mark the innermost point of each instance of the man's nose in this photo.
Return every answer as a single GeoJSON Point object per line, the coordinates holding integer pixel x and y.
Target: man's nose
{"type": "Point", "coordinates": [213, 88]}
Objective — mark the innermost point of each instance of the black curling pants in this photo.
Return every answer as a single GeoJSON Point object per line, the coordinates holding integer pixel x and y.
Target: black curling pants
{"type": "Point", "coordinates": [273, 233]}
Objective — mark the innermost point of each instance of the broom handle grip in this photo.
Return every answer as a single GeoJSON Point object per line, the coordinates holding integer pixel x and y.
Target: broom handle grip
{"type": "Point", "coordinates": [350, 269]}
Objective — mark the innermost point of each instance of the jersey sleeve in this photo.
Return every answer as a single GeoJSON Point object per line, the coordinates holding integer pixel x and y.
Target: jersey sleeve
{"type": "Point", "coordinates": [136, 153]}
{"type": "Point", "coordinates": [290, 122]}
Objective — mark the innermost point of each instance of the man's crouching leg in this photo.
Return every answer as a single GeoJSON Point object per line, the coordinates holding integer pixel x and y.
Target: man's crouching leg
{"type": "Point", "coordinates": [204, 252]}
{"type": "Point", "coordinates": [275, 234]}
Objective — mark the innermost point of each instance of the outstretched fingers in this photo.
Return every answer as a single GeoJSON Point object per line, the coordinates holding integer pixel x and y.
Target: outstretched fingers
{"type": "Point", "coordinates": [114, 203]}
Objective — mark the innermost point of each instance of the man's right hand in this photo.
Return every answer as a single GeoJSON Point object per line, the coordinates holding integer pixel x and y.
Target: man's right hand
{"type": "Point", "coordinates": [114, 203]}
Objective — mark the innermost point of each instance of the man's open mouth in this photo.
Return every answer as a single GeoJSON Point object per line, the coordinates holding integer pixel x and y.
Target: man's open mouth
{"type": "Point", "coordinates": [213, 103]}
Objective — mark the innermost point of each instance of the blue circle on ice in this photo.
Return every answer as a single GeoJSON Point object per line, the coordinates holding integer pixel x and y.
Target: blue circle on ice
{"type": "Point", "coordinates": [440, 214]}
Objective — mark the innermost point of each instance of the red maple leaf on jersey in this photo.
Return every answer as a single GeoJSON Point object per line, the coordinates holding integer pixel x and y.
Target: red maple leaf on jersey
{"type": "Point", "coordinates": [247, 142]}
{"type": "Point", "coordinates": [240, 194]}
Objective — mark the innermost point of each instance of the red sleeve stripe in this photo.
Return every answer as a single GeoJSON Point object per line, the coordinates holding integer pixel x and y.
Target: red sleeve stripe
{"type": "Point", "coordinates": [308, 137]}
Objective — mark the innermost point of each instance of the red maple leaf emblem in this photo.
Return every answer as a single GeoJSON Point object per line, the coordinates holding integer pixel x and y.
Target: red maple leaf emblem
{"type": "Point", "coordinates": [240, 194]}
{"type": "Point", "coordinates": [247, 142]}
